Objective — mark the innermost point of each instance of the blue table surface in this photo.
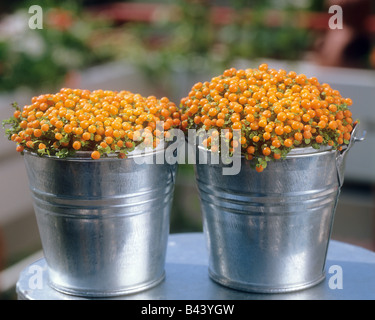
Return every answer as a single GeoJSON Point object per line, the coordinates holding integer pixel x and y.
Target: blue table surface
{"type": "Point", "coordinates": [187, 277]}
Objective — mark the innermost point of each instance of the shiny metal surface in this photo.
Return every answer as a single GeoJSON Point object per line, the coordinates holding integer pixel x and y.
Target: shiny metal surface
{"type": "Point", "coordinates": [103, 224]}
{"type": "Point", "coordinates": [269, 232]}
{"type": "Point", "coordinates": [341, 156]}
{"type": "Point", "coordinates": [187, 278]}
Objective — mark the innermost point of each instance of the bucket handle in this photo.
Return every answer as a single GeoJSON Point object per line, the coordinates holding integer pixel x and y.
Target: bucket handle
{"type": "Point", "coordinates": [340, 158]}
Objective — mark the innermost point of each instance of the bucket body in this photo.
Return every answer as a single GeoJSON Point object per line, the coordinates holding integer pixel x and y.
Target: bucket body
{"type": "Point", "coordinates": [269, 231]}
{"type": "Point", "coordinates": [104, 223]}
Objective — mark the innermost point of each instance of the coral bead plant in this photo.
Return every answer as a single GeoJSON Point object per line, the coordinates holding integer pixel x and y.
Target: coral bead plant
{"type": "Point", "coordinates": [274, 110]}
{"type": "Point", "coordinates": [102, 122]}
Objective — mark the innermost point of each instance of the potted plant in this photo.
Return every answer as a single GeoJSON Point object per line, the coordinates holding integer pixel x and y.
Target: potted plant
{"type": "Point", "coordinates": [268, 221]}
{"type": "Point", "coordinates": [102, 214]}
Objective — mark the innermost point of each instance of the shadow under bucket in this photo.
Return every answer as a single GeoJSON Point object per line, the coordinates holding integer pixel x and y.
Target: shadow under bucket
{"type": "Point", "coordinates": [269, 232]}
{"type": "Point", "coordinates": [104, 224]}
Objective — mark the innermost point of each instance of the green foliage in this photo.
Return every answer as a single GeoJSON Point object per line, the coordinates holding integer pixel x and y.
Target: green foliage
{"type": "Point", "coordinates": [12, 123]}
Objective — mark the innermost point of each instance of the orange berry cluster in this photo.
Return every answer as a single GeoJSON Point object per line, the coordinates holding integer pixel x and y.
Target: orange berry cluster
{"type": "Point", "coordinates": [102, 121]}
{"type": "Point", "coordinates": [275, 111]}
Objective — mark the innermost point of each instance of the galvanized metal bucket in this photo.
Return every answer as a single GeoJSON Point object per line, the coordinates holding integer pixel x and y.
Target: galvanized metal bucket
{"type": "Point", "coordinates": [269, 232]}
{"type": "Point", "coordinates": [104, 223]}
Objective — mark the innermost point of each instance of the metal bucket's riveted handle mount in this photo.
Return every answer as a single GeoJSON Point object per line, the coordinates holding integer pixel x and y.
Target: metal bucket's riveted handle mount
{"type": "Point", "coordinates": [340, 158]}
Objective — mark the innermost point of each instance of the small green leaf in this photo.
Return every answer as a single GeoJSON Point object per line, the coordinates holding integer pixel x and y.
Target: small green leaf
{"type": "Point", "coordinates": [316, 145]}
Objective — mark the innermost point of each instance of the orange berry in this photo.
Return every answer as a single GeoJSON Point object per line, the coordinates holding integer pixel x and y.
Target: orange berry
{"type": "Point", "coordinates": [41, 146]}
{"type": "Point", "coordinates": [30, 144]}
{"type": "Point", "coordinates": [86, 136]}
{"type": "Point", "coordinates": [322, 124]}
{"type": "Point", "coordinates": [38, 133]}
{"type": "Point", "coordinates": [288, 143]}
{"type": "Point", "coordinates": [68, 128]}
{"type": "Point", "coordinates": [69, 103]}
{"type": "Point", "coordinates": [279, 130]}
{"type": "Point", "coordinates": [237, 125]}
{"type": "Point", "coordinates": [319, 139]}
{"type": "Point", "coordinates": [17, 114]}
{"type": "Point", "coordinates": [58, 136]}
{"type": "Point", "coordinates": [266, 151]}
{"type": "Point", "coordinates": [348, 101]}
{"type": "Point", "coordinates": [307, 134]}
{"type": "Point", "coordinates": [276, 143]}
{"type": "Point", "coordinates": [250, 149]}
{"type": "Point", "coordinates": [44, 127]}
{"type": "Point", "coordinates": [59, 124]}
{"type": "Point", "coordinates": [95, 155]}
{"type": "Point", "coordinates": [306, 117]}
{"type": "Point", "coordinates": [276, 156]}
{"type": "Point", "coordinates": [266, 136]}
{"type": "Point", "coordinates": [287, 129]}
{"type": "Point", "coordinates": [76, 145]}
{"type": "Point", "coordinates": [263, 67]}
{"type": "Point", "coordinates": [220, 122]}
{"type": "Point", "coordinates": [332, 125]}
{"type": "Point", "coordinates": [129, 144]}
{"type": "Point", "coordinates": [281, 116]}
{"type": "Point", "coordinates": [262, 122]}
{"type": "Point", "coordinates": [92, 129]}
{"type": "Point", "coordinates": [298, 136]}
{"type": "Point", "coordinates": [207, 123]}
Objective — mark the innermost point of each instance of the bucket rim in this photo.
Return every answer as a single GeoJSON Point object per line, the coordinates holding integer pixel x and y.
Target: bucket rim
{"type": "Point", "coordinates": [86, 155]}
{"type": "Point", "coordinates": [295, 152]}
{"type": "Point", "coordinates": [308, 151]}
